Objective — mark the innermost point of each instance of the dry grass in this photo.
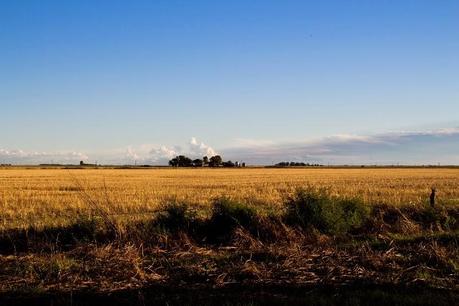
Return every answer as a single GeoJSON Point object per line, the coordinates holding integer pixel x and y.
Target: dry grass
{"type": "Point", "coordinates": [65, 231]}
{"type": "Point", "coordinates": [53, 197]}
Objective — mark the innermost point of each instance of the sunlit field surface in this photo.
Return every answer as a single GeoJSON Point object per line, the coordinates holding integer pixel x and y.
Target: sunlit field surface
{"type": "Point", "coordinates": [53, 197]}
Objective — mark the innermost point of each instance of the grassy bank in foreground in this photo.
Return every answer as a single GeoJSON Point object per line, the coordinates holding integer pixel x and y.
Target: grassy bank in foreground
{"type": "Point", "coordinates": [357, 295]}
{"type": "Point", "coordinates": [313, 239]}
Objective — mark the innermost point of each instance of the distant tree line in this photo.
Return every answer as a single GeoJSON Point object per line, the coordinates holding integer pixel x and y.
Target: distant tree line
{"type": "Point", "coordinates": [214, 161]}
{"type": "Point", "coordinates": [296, 164]}
{"type": "Point", "coordinates": [83, 164]}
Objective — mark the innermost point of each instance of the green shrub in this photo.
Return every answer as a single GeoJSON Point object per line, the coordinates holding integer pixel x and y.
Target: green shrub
{"type": "Point", "coordinates": [85, 226]}
{"type": "Point", "coordinates": [175, 217]}
{"type": "Point", "coordinates": [429, 215]}
{"type": "Point", "coordinates": [232, 213]}
{"type": "Point", "coordinates": [316, 208]}
{"type": "Point", "coordinates": [439, 215]}
{"type": "Point", "coordinates": [355, 212]}
{"type": "Point", "coordinates": [227, 215]}
{"type": "Point", "coordinates": [307, 208]}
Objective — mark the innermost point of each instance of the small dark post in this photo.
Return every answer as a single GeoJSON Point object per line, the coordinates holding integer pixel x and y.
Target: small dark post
{"type": "Point", "coordinates": [432, 198]}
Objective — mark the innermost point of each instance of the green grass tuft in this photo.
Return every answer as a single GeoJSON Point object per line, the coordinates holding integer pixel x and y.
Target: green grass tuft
{"type": "Point", "coordinates": [318, 209]}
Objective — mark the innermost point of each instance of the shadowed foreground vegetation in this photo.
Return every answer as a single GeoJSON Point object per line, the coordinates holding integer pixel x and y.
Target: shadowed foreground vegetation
{"type": "Point", "coordinates": [316, 248]}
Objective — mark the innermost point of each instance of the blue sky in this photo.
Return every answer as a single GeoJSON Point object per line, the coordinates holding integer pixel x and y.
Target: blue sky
{"type": "Point", "coordinates": [118, 81]}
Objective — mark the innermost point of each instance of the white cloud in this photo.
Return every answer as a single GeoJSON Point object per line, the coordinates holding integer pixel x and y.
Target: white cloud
{"type": "Point", "coordinates": [161, 154]}
{"type": "Point", "coordinates": [406, 147]}
{"type": "Point", "coordinates": [131, 154]}
{"type": "Point", "coordinates": [34, 157]}
{"type": "Point", "coordinates": [141, 154]}
{"type": "Point", "coordinates": [351, 138]}
{"type": "Point", "coordinates": [200, 149]}
{"type": "Point", "coordinates": [422, 147]}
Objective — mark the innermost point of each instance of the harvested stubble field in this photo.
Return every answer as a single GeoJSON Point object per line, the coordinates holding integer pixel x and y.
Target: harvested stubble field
{"type": "Point", "coordinates": [52, 197]}
{"type": "Point", "coordinates": [268, 234]}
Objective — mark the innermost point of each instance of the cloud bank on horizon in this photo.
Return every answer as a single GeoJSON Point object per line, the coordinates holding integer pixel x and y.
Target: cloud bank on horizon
{"type": "Point", "coordinates": [151, 154]}
{"type": "Point", "coordinates": [18, 156]}
{"type": "Point", "coordinates": [421, 147]}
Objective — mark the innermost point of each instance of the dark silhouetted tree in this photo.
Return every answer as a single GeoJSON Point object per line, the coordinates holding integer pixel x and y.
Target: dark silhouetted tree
{"type": "Point", "coordinates": [173, 162]}
{"type": "Point", "coordinates": [181, 161]}
{"type": "Point", "coordinates": [228, 164]}
{"type": "Point", "coordinates": [215, 161]}
{"type": "Point", "coordinates": [197, 163]}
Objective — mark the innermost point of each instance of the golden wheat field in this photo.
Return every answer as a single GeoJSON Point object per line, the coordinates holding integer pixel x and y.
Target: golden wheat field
{"type": "Point", "coordinates": [53, 197]}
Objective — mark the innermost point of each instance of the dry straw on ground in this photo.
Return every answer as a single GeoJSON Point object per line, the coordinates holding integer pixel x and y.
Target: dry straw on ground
{"type": "Point", "coordinates": [53, 197]}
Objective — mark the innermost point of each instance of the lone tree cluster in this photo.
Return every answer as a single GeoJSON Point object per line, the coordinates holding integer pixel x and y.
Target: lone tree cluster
{"type": "Point", "coordinates": [214, 161]}
{"type": "Point", "coordinates": [296, 164]}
